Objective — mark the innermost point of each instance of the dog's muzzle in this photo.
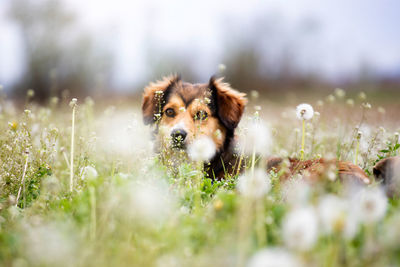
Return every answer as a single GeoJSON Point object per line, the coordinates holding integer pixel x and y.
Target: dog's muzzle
{"type": "Point", "coordinates": [178, 137]}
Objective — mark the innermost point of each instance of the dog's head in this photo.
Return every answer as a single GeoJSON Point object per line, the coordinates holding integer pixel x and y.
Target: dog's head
{"type": "Point", "coordinates": [183, 111]}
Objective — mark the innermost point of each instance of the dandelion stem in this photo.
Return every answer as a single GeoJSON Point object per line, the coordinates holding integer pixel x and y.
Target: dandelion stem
{"type": "Point", "coordinates": [303, 136]}
{"type": "Point", "coordinates": [71, 178]}
{"type": "Point", "coordinates": [253, 161]}
{"type": "Point", "coordinates": [22, 181]}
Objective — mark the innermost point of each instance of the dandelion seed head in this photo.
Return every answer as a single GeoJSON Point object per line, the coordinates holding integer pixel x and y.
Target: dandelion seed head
{"type": "Point", "coordinates": [300, 229]}
{"type": "Point", "coordinates": [202, 149]}
{"type": "Point", "coordinates": [334, 213]}
{"type": "Point", "coordinates": [256, 137]}
{"type": "Point", "coordinates": [273, 257]}
{"type": "Point", "coordinates": [371, 204]}
{"type": "Point", "coordinates": [48, 245]}
{"type": "Point", "coordinates": [256, 185]}
{"type": "Point", "coordinates": [304, 112]}
{"type": "Point", "coordinates": [89, 173]}
{"type": "Point", "coordinates": [73, 102]}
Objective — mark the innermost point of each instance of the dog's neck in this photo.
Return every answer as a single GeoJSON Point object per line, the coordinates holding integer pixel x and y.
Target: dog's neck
{"type": "Point", "coordinates": [226, 162]}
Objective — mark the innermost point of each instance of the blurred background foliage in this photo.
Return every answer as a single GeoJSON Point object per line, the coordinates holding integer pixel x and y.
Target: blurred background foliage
{"type": "Point", "coordinates": [62, 58]}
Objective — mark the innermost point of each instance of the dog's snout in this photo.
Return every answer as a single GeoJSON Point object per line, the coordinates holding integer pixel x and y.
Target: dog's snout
{"type": "Point", "coordinates": [178, 135]}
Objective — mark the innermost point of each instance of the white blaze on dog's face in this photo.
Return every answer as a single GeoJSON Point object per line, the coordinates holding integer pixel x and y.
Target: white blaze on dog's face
{"type": "Point", "coordinates": [183, 111]}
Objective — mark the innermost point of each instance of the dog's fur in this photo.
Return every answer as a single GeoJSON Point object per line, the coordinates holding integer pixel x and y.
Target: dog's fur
{"type": "Point", "coordinates": [387, 171]}
{"type": "Point", "coordinates": [174, 107]}
{"type": "Point", "coordinates": [213, 109]}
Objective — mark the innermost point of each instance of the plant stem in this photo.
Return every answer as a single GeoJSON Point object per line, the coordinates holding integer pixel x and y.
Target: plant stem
{"type": "Point", "coordinates": [22, 182]}
{"type": "Point", "coordinates": [303, 136]}
{"type": "Point", "coordinates": [357, 149]}
{"type": "Point", "coordinates": [71, 178]}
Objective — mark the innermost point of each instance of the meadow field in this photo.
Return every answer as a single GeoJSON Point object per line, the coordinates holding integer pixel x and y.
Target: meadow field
{"type": "Point", "coordinates": [80, 185]}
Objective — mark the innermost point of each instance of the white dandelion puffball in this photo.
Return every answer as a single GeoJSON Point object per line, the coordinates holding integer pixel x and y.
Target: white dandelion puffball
{"type": "Point", "coordinates": [148, 201]}
{"type": "Point", "coordinates": [257, 137]}
{"type": "Point", "coordinates": [296, 192]}
{"type": "Point", "coordinates": [273, 257]}
{"type": "Point", "coordinates": [89, 173]}
{"type": "Point", "coordinates": [300, 229]}
{"type": "Point", "coordinates": [202, 149]}
{"type": "Point", "coordinates": [304, 112]}
{"type": "Point", "coordinates": [336, 217]}
{"type": "Point", "coordinates": [256, 185]}
{"type": "Point", "coordinates": [371, 205]}
{"type": "Point", "coordinates": [48, 245]}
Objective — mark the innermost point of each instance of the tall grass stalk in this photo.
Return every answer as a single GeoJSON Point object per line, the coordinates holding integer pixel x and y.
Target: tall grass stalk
{"type": "Point", "coordinates": [22, 186]}
{"type": "Point", "coordinates": [357, 148]}
{"type": "Point", "coordinates": [71, 177]}
{"type": "Point", "coordinates": [303, 137]}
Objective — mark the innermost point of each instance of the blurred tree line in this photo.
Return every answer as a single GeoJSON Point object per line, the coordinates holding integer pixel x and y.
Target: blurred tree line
{"type": "Point", "coordinates": [58, 59]}
{"type": "Point", "coordinates": [61, 58]}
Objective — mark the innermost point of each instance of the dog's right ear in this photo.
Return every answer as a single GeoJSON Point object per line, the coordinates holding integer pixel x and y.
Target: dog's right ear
{"type": "Point", "coordinates": [154, 97]}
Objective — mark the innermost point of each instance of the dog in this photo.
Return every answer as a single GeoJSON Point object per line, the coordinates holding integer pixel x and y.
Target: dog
{"type": "Point", "coordinates": [387, 172]}
{"type": "Point", "coordinates": [180, 111]}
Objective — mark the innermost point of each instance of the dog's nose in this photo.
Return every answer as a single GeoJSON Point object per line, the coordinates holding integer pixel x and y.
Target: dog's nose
{"type": "Point", "coordinates": [178, 135]}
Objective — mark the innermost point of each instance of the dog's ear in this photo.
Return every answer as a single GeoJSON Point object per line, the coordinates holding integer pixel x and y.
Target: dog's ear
{"type": "Point", "coordinates": [229, 102]}
{"type": "Point", "coordinates": [154, 97]}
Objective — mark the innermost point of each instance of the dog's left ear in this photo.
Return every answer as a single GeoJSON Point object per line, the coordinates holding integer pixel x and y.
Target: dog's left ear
{"type": "Point", "coordinates": [154, 97]}
{"type": "Point", "coordinates": [229, 102]}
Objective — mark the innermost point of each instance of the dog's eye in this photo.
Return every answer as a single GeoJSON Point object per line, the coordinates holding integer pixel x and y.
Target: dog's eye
{"type": "Point", "coordinates": [170, 112]}
{"type": "Point", "coordinates": [201, 115]}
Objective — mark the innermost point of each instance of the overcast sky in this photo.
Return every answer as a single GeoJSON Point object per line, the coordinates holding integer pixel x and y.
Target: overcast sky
{"type": "Point", "coordinates": [348, 32]}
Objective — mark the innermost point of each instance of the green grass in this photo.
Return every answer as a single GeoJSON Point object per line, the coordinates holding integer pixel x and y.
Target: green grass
{"type": "Point", "coordinates": [134, 211]}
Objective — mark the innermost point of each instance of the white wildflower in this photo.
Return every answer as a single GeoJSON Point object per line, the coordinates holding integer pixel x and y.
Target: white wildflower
{"type": "Point", "coordinates": [371, 205]}
{"type": "Point", "coordinates": [254, 94]}
{"type": "Point", "coordinates": [30, 93]}
{"type": "Point", "coordinates": [340, 93]}
{"type": "Point", "coordinates": [221, 68]}
{"type": "Point", "coordinates": [304, 112]}
{"type": "Point", "coordinates": [366, 105]}
{"type": "Point", "coordinates": [381, 110]}
{"type": "Point", "coordinates": [362, 96]}
{"type": "Point", "coordinates": [73, 102]}
{"type": "Point", "coordinates": [350, 102]}
{"type": "Point", "coordinates": [202, 149]}
{"type": "Point", "coordinates": [300, 229]}
{"type": "Point", "coordinates": [256, 185]}
{"type": "Point", "coordinates": [331, 98]}
{"type": "Point", "coordinates": [273, 257]}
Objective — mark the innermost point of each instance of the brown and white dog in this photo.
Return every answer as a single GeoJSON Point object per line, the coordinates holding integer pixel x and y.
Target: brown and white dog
{"type": "Point", "coordinates": [180, 111]}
